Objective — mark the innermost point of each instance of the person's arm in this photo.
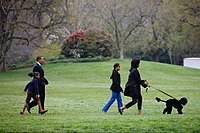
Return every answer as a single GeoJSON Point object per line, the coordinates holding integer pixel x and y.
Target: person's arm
{"type": "Point", "coordinates": [138, 79]}
{"type": "Point", "coordinates": [36, 69]}
{"type": "Point", "coordinates": [26, 88]}
{"type": "Point", "coordinates": [116, 81]}
{"type": "Point", "coordinates": [46, 81]}
{"type": "Point", "coordinates": [36, 87]}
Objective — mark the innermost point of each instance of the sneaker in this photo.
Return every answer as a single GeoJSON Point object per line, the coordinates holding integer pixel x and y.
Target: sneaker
{"type": "Point", "coordinates": [28, 109]}
{"type": "Point", "coordinates": [120, 111]}
{"type": "Point", "coordinates": [21, 113]}
{"type": "Point", "coordinates": [43, 111]}
{"type": "Point", "coordinates": [103, 112]}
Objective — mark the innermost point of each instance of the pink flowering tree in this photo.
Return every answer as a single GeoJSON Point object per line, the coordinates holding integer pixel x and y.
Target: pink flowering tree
{"type": "Point", "coordinates": [90, 43]}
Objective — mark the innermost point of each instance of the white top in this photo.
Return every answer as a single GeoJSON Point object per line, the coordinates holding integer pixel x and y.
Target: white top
{"type": "Point", "coordinates": [39, 63]}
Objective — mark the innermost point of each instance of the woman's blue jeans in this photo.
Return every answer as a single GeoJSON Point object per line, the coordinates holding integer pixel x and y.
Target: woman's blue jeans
{"type": "Point", "coordinates": [117, 96]}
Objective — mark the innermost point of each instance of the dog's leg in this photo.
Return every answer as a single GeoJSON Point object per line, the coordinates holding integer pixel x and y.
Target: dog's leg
{"type": "Point", "coordinates": [169, 109]}
{"type": "Point", "coordinates": [165, 110]}
{"type": "Point", "coordinates": [180, 111]}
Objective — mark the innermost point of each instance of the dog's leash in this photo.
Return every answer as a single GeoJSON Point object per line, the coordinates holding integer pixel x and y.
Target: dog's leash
{"type": "Point", "coordinates": [160, 91]}
{"type": "Point", "coordinates": [157, 90]}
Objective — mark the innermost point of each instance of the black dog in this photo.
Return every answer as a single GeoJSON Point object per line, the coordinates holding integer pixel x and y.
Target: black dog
{"type": "Point", "coordinates": [173, 103]}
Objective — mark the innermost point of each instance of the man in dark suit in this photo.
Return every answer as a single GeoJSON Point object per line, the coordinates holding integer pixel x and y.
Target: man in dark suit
{"type": "Point", "coordinates": [42, 82]}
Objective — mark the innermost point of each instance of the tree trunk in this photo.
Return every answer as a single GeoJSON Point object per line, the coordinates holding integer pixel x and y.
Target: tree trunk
{"type": "Point", "coordinates": [3, 39]}
{"type": "Point", "coordinates": [155, 57]}
{"type": "Point", "coordinates": [3, 66]}
{"type": "Point", "coordinates": [170, 56]}
{"type": "Point", "coordinates": [121, 53]}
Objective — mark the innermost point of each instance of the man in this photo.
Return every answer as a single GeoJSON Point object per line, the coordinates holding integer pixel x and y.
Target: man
{"type": "Point", "coordinates": [42, 82]}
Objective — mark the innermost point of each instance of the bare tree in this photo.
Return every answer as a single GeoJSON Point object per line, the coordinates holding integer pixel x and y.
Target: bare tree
{"type": "Point", "coordinates": [157, 33]}
{"type": "Point", "coordinates": [190, 12]}
{"type": "Point", "coordinates": [171, 24]}
{"type": "Point", "coordinates": [25, 20]}
{"type": "Point", "coordinates": [122, 18]}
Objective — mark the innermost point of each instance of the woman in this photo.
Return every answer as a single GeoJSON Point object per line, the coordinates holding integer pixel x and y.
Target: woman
{"type": "Point", "coordinates": [115, 88]}
{"type": "Point", "coordinates": [132, 88]}
{"type": "Point", "coordinates": [33, 92]}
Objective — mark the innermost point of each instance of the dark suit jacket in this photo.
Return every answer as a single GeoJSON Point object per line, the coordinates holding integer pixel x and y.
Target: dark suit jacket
{"type": "Point", "coordinates": [42, 81]}
{"type": "Point", "coordinates": [116, 81]}
{"type": "Point", "coordinates": [38, 68]}
{"type": "Point", "coordinates": [132, 87]}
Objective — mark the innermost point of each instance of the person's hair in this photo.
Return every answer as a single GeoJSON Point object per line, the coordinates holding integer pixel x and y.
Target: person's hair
{"type": "Point", "coordinates": [115, 65]}
{"type": "Point", "coordinates": [33, 74]}
{"type": "Point", "coordinates": [134, 63]}
{"type": "Point", "coordinates": [39, 57]}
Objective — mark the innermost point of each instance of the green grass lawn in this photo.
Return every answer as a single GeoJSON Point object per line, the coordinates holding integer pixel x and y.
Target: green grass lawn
{"type": "Point", "coordinates": [78, 91]}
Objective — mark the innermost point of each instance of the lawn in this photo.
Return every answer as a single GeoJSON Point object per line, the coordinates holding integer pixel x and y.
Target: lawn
{"type": "Point", "coordinates": [78, 91]}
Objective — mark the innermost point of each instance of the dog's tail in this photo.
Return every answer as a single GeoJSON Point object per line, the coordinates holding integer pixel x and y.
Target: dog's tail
{"type": "Point", "coordinates": [158, 99]}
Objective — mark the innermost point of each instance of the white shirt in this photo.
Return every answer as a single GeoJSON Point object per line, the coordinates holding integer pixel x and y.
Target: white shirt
{"type": "Point", "coordinates": [39, 64]}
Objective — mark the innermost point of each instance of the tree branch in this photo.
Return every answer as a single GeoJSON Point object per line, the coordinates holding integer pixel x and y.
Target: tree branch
{"type": "Point", "coordinates": [134, 27]}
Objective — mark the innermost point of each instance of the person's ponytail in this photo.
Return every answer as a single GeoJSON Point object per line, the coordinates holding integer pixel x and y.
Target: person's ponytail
{"type": "Point", "coordinates": [114, 67]}
{"type": "Point", "coordinates": [31, 74]}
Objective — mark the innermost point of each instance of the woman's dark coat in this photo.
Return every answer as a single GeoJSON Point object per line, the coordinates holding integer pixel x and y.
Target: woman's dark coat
{"type": "Point", "coordinates": [132, 88]}
{"type": "Point", "coordinates": [116, 81]}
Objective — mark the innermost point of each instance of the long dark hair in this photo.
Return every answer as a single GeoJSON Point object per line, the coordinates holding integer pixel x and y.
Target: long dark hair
{"type": "Point", "coordinates": [114, 67]}
{"type": "Point", "coordinates": [135, 63]}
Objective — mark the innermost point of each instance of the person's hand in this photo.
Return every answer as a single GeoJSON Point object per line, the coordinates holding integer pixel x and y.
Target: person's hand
{"type": "Point", "coordinates": [145, 85]}
{"type": "Point", "coordinates": [145, 82]}
{"type": "Point", "coordinates": [46, 81]}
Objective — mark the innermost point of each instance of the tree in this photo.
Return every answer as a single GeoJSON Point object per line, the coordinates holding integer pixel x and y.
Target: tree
{"type": "Point", "coordinates": [25, 20]}
{"type": "Point", "coordinates": [169, 27]}
{"type": "Point", "coordinates": [155, 41]}
{"type": "Point", "coordinates": [122, 18]}
{"type": "Point", "coordinates": [183, 26]}
{"type": "Point", "coordinates": [190, 19]}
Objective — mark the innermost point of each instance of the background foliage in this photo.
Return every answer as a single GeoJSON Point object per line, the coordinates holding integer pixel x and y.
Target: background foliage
{"type": "Point", "coordinates": [162, 30]}
{"type": "Point", "coordinates": [90, 43]}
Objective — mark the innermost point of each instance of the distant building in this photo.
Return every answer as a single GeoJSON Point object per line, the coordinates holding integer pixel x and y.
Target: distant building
{"type": "Point", "coordinates": [192, 62]}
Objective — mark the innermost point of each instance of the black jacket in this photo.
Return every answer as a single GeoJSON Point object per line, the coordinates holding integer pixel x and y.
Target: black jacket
{"type": "Point", "coordinates": [33, 86]}
{"type": "Point", "coordinates": [116, 81]}
{"type": "Point", "coordinates": [42, 81]}
{"type": "Point", "coordinates": [132, 87]}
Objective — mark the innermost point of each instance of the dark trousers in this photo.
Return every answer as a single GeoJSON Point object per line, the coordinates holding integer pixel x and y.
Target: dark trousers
{"type": "Point", "coordinates": [135, 100]}
{"type": "Point", "coordinates": [42, 99]}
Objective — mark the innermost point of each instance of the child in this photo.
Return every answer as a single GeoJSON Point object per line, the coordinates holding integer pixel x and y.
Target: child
{"type": "Point", "coordinates": [115, 88]}
{"type": "Point", "coordinates": [33, 92]}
